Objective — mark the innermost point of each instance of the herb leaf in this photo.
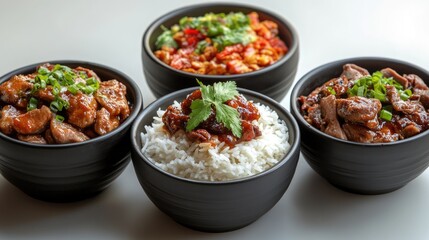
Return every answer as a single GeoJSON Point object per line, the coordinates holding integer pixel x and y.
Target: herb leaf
{"type": "Point", "coordinates": [215, 96]}
{"type": "Point", "coordinates": [200, 112]}
{"type": "Point", "coordinates": [225, 91]}
{"type": "Point", "coordinates": [229, 117]}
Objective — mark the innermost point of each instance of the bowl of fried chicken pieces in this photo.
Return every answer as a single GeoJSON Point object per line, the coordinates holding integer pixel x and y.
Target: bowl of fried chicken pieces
{"type": "Point", "coordinates": [64, 128]}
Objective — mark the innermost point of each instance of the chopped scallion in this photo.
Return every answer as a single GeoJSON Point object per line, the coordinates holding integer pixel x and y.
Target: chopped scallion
{"type": "Point", "coordinates": [385, 115]}
{"type": "Point", "coordinates": [32, 104]}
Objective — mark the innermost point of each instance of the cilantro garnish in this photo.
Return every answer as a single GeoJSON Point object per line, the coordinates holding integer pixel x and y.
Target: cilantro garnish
{"type": "Point", "coordinates": [215, 96]}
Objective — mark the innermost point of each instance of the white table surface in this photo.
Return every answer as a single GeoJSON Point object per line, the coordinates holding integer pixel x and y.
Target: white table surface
{"type": "Point", "coordinates": [110, 32]}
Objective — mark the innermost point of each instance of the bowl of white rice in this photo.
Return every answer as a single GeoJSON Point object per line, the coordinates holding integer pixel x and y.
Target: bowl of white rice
{"type": "Point", "coordinates": [211, 185]}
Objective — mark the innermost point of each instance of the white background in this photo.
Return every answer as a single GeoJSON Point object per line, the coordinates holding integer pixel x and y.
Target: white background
{"type": "Point", "coordinates": [110, 33]}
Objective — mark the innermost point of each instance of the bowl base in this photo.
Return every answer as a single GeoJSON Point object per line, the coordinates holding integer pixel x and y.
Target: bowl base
{"type": "Point", "coordinates": [365, 191]}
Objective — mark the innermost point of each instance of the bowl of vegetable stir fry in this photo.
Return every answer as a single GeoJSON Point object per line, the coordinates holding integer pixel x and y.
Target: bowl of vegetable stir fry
{"type": "Point", "coordinates": [213, 42]}
{"type": "Point", "coordinates": [364, 122]}
{"type": "Point", "coordinates": [64, 128]}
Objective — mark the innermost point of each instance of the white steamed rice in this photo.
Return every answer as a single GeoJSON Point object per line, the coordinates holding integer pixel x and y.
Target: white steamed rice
{"type": "Point", "coordinates": [203, 161]}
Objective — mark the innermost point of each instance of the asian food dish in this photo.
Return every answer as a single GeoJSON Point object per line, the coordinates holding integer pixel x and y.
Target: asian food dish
{"type": "Point", "coordinates": [384, 106]}
{"type": "Point", "coordinates": [215, 134]}
{"type": "Point", "coordinates": [57, 104]}
{"type": "Point", "coordinates": [221, 44]}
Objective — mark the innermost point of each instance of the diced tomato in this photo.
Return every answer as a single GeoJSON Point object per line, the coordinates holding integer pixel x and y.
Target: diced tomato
{"type": "Point", "coordinates": [237, 66]}
{"type": "Point", "coordinates": [237, 48]}
{"type": "Point", "coordinates": [278, 45]}
{"type": "Point", "coordinates": [191, 31]}
{"type": "Point", "coordinates": [180, 62]}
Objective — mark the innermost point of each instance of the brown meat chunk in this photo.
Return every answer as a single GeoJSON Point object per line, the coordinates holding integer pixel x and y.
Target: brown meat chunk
{"type": "Point", "coordinates": [66, 133]}
{"type": "Point", "coordinates": [16, 88]}
{"type": "Point", "coordinates": [353, 72]}
{"type": "Point", "coordinates": [358, 109]}
{"type": "Point", "coordinates": [45, 94]}
{"type": "Point", "coordinates": [48, 136]}
{"type": "Point", "coordinates": [413, 109]}
{"type": "Point", "coordinates": [32, 138]}
{"type": "Point", "coordinates": [390, 73]}
{"type": "Point", "coordinates": [88, 72]}
{"type": "Point", "coordinates": [174, 119]}
{"type": "Point", "coordinates": [104, 123]}
{"type": "Point", "coordinates": [339, 85]}
{"type": "Point", "coordinates": [186, 103]}
{"type": "Point", "coordinates": [329, 114]}
{"type": "Point", "coordinates": [112, 96]}
{"type": "Point", "coordinates": [82, 110]}
{"type": "Point", "coordinates": [249, 131]}
{"type": "Point", "coordinates": [8, 113]}
{"type": "Point", "coordinates": [314, 116]}
{"type": "Point", "coordinates": [32, 122]}
{"type": "Point", "coordinates": [416, 82]}
{"type": "Point", "coordinates": [411, 130]}
{"type": "Point", "coordinates": [199, 135]}
{"type": "Point", "coordinates": [358, 133]}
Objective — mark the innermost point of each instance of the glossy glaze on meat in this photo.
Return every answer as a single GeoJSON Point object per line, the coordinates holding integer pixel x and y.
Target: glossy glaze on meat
{"type": "Point", "coordinates": [334, 111]}
{"type": "Point", "coordinates": [175, 119]}
{"type": "Point", "coordinates": [85, 114]}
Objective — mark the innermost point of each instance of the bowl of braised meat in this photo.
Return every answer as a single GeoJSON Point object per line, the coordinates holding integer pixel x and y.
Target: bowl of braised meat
{"type": "Point", "coordinates": [64, 128]}
{"type": "Point", "coordinates": [364, 122]}
{"type": "Point", "coordinates": [219, 42]}
{"type": "Point", "coordinates": [215, 158]}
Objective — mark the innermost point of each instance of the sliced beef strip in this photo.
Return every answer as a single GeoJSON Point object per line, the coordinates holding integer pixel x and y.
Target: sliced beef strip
{"type": "Point", "coordinates": [398, 104]}
{"type": "Point", "coordinates": [329, 114]}
{"type": "Point", "coordinates": [8, 113]}
{"type": "Point", "coordinates": [353, 72]}
{"type": "Point", "coordinates": [32, 138]}
{"type": "Point", "coordinates": [359, 110]}
{"type": "Point", "coordinates": [314, 116]}
{"type": "Point", "coordinates": [339, 85]}
{"type": "Point", "coordinates": [413, 110]}
{"type": "Point", "coordinates": [420, 89]}
{"type": "Point", "coordinates": [388, 72]}
{"type": "Point", "coordinates": [416, 82]}
{"type": "Point", "coordinates": [112, 96]}
{"type": "Point", "coordinates": [32, 122]}
{"type": "Point", "coordinates": [65, 133]}
{"type": "Point", "coordinates": [359, 133]}
{"type": "Point", "coordinates": [82, 110]}
{"type": "Point", "coordinates": [104, 123]}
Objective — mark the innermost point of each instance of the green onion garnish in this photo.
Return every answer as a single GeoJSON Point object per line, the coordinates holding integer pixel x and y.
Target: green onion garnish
{"type": "Point", "coordinates": [385, 115]}
{"type": "Point", "coordinates": [375, 87]}
{"type": "Point", "coordinates": [32, 104]}
{"type": "Point", "coordinates": [331, 90]}
{"type": "Point", "coordinates": [59, 118]}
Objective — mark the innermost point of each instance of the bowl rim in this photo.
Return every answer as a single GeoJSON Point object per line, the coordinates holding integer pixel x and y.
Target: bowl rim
{"type": "Point", "coordinates": [294, 146]}
{"type": "Point", "coordinates": [292, 49]}
{"type": "Point", "coordinates": [137, 104]}
{"type": "Point", "coordinates": [294, 106]}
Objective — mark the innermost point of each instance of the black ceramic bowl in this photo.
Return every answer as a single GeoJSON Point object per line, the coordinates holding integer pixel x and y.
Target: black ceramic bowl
{"type": "Point", "coordinates": [69, 172]}
{"type": "Point", "coordinates": [358, 167]}
{"type": "Point", "coordinates": [214, 206]}
{"type": "Point", "coordinates": [273, 81]}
